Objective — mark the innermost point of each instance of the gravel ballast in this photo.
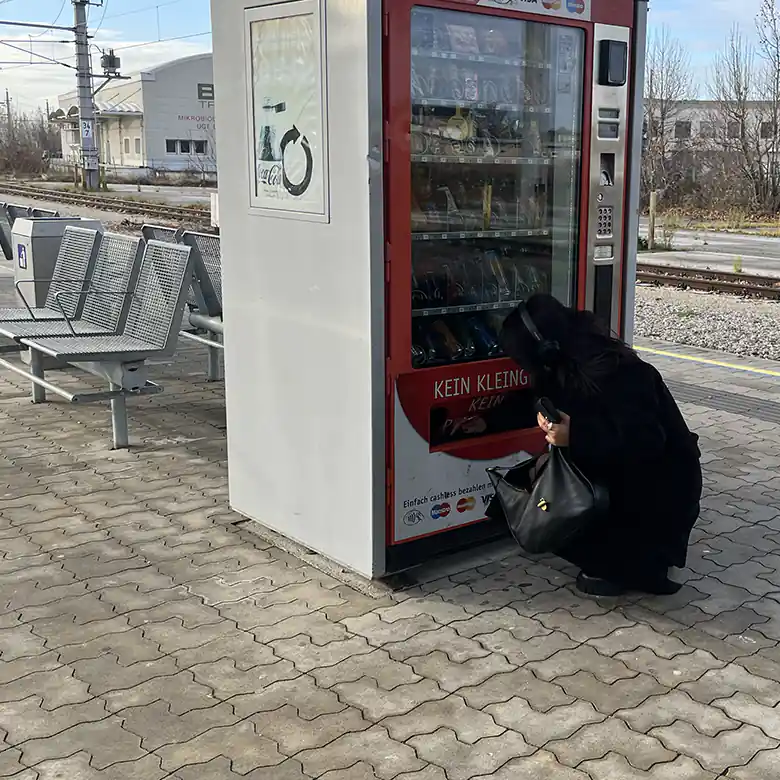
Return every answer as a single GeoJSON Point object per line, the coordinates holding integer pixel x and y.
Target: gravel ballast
{"type": "Point", "coordinates": [726, 323]}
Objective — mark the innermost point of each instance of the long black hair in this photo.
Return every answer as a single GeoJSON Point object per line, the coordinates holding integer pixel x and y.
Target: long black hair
{"type": "Point", "coordinates": [587, 353]}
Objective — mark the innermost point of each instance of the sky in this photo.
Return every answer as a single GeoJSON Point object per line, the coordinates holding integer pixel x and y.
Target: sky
{"type": "Point", "coordinates": [146, 27]}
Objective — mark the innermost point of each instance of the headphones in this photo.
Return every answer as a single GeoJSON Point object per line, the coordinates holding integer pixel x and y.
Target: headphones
{"type": "Point", "coordinates": [548, 351]}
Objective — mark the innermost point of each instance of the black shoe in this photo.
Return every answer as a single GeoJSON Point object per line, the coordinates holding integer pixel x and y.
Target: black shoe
{"type": "Point", "coordinates": [660, 587]}
{"type": "Point", "coordinates": [595, 586]}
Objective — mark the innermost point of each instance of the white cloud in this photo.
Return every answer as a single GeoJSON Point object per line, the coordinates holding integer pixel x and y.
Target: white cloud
{"type": "Point", "coordinates": [32, 85]}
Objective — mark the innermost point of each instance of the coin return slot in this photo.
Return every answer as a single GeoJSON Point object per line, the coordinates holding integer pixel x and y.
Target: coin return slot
{"type": "Point", "coordinates": [607, 170]}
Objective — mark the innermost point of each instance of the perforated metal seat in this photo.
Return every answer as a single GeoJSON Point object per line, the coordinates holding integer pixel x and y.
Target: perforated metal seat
{"type": "Point", "coordinates": [161, 233]}
{"type": "Point", "coordinates": [5, 232]}
{"type": "Point", "coordinates": [75, 260]}
{"type": "Point", "coordinates": [153, 320]}
{"type": "Point", "coordinates": [106, 301]}
{"type": "Point", "coordinates": [207, 262]}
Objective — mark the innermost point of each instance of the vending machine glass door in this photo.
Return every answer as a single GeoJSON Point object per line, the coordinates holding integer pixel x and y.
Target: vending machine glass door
{"type": "Point", "coordinates": [496, 142]}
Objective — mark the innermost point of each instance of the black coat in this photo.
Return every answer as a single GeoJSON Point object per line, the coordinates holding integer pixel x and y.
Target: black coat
{"type": "Point", "coordinates": [632, 438]}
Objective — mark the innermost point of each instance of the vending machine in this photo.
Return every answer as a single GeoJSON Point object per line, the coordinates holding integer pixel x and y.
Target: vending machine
{"type": "Point", "coordinates": [446, 160]}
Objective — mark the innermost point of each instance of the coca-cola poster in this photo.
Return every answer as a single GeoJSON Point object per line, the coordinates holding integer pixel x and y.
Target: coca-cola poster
{"type": "Point", "coordinates": [287, 109]}
{"type": "Point", "coordinates": [568, 9]}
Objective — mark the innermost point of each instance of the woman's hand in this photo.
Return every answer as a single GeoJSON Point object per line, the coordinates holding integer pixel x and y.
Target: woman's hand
{"type": "Point", "coordinates": [556, 434]}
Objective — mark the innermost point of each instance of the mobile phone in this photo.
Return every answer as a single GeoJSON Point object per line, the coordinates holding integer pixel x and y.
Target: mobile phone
{"type": "Point", "coordinates": [546, 408]}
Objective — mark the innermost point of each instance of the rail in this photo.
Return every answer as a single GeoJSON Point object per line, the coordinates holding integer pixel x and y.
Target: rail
{"type": "Point", "coordinates": [192, 215]}
{"type": "Point", "coordinates": [766, 287]}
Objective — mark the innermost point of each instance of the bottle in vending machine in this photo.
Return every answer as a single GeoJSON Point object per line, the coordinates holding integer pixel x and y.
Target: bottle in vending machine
{"type": "Point", "coordinates": [444, 341]}
{"type": "Point", "coordinates": [503, 290]}
{"type": "Point", "coordinates": [461, 331]}
{"type": "Point", "coordinates": [484, 338]}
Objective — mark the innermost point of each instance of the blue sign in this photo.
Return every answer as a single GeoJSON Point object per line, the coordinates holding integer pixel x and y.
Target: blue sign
{"type": "Point", "coordinates": [21, 253]}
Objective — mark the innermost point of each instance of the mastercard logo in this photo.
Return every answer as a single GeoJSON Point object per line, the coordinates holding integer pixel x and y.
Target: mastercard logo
{"type": "Point", "coordinates": [575, 6]}
{"type": "Point", "coordinates": [440, 510]}
{"type": "Point", "coordinates": [552, 5]}
{"type": "Point", "coordinates": [467, 504]}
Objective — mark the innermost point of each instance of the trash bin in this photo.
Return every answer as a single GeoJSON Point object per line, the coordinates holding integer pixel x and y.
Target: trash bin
{"type": "Point", "coordinates": [35, 244]}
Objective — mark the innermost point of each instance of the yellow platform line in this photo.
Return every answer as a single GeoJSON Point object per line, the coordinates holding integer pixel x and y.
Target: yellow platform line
{"type": "Point", "coordinates": [718, 363]}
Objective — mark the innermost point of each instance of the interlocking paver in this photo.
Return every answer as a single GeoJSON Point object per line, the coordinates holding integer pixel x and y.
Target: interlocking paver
{"type": "Point", "coordinates": [27, 719]}
{"type": "Point", "coordinates": [506, 618]}
{"type": "Point", "coordinates": [542, 696]}
{"type": "Point", "coordinates": [469, 725]}
{"type": "Point", "coordinates": [57, 688]}
{"type": "Point", "coordinates": [386, 757]}
{"type": "Point", "coordinates": [377, 703]}
{"type": "Point", "coordinates": [674, 671]}
{"type": "Point", "coordinates": [722, 683]}
{"type": "Point", "coordinates": [765, 764]}
{"type": "Point", "coordinates": [540, 766]}
{"type": "Point", "coordinates": [746, 709]}
{"type": "Point", "coordinates": [567, 662]}
{"type": "Point", "coordinates": [301, 692]}
{"type": "Point", "coordinates": [227, 679]}
{"type": "Point", "coordinates": [665, 709]}
{"type": "Point", "coordinates": [539, 728]}
{"type": "Point", "coordinates": [377, 665]}
{"type": "Point", "coordinates": [521, 652]}
{"type": "Point", "coordinates": [595, 740]}
{"type": "Point", "coordinates": [181, 691]}
{"type": "Point", "coordinates": [156, 725]}
{"type": "Point", "coordinates": [464, 762]}
{"type": "Point", "coordinates": [451, 675]}
{"type": "Point", "coordinates": [610, 697]}
{"type": "Point", "coordinates": [626, 640]}
{"type": "Point", "coordinates": [615, 767]}
{"type": "Point", "coordinates": [240, 743]}
{"type": "Point", "coordinates": [584, 629]}
{"type": "Point", "coordinates": [306, 655]}
{"type": "Point", "coordinates": [77, 767]}
{"type": "Point", "coordinates": [105, 673]}
{"type": "Point", "coordinates": [727, 749]}
{"type": "Point", "coordinates": [219, 769]}
{"type": "Point", "coordinates": [106, 741]}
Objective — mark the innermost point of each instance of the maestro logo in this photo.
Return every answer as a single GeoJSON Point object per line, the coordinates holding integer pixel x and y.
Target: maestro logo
{"type": "Point", "coordinates": [466, 504]}
{"type": "Point", "coordinates": [575, 6]}
{"type": "Point", "coordinates": [552, 5]}
{"type": "Point", "coordinates": [439, 511]}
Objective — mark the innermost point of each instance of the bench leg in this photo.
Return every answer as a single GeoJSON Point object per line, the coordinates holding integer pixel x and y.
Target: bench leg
{"type": "Point", "coordinates": [119, 420]}
{"type": "Point", "coordinates": [36, 369]}
{"type": "Point", "coordinates": [213, 372]}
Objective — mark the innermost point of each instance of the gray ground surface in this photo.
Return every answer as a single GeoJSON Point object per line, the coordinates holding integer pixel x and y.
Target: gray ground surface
{"type": "Point", "coordinates": [147, 632]}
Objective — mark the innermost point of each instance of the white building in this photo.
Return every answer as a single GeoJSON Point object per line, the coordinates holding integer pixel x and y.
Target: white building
{"type": "Point", "coordinates": [158, 120]}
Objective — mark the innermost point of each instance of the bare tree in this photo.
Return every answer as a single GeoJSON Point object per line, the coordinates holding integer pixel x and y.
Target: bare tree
{"type": "Point", "coordinates": [745, 85]}
{"type": "Point", "coordinates": [668, 83]}
{"type": "Point", "coordinates": [27, 143]}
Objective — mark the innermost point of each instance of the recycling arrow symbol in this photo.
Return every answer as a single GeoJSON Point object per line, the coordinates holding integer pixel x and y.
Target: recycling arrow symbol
{"type": "Point", "coordinates": [292, 136]}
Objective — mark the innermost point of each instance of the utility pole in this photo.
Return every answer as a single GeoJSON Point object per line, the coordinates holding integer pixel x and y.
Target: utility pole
{"type": "Point", "coordinates": [89, 152]}
{"type": "Point", "coordinates": [8, 115]}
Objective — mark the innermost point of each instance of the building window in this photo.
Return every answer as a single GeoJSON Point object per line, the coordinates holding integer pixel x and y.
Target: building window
{"type": "Point", "coordinates": [185, 147]}
{"type": "Point", "coordinates": [201, 147]}
{"type": "Point", "coordinates": [767, 131]}
{"type": "Point", "coordinates": [138, 147]}
{"type": "Point", "coordinates": [127, 146]}
{"type": "Point", "coordinates": [707, 129]}
{"type": "Point", "coordinates": [682, 130]}
{"type": "Point", "coordinates": [733, 129]}
{"type": "Point", "coordinates": [171, 146]}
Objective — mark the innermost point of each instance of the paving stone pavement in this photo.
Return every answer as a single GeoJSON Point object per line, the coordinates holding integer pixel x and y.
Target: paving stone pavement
{"type": "Point", "coordinates": [146, 632]}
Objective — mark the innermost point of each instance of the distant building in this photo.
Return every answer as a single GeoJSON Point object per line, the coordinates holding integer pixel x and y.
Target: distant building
{"type": "Point", "coordinates": [158, 120]}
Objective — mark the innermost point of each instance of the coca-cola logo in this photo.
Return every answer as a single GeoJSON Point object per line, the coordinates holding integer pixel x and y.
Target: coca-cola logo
{"type": "Point", "coordinates": [271, 176]}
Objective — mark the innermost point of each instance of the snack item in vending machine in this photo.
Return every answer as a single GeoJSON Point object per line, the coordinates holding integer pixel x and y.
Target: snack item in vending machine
{"type": "Point", "coordinates": [493, 42]}
{"type": "Point", "coordinates": [419, 298]}
{"type": "Point", "coordinates": [463, 39]}
{"type": "Point", "coordinates": [484, 338]}
{"type": "Point", "coordinates": [490, 91]}
{"type": "Point", "coordinates": [470, 85]}
{"type": "Point", "coordinates": [444, 342]}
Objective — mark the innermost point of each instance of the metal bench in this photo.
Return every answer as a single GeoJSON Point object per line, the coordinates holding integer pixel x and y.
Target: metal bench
{"type": "Point", "coordinates": [44, 213]}
{"type": "Point", "coordinates": [150, 331]}
{"type": "Point", "coordinates": [17, 212]}
{"type": "Point", "coordinates": [207, 288]}
{"type": "Point", "coordinates": [5, 232]}
{"type": "Point", "coordinates": [106, 299]}
{"type": "Point", "coordinates": [75, 261]}
{"type": "Point", "coordinates": [161, 233]}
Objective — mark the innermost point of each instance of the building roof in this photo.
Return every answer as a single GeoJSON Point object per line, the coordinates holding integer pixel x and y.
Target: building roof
{"type": "Point", "coordinates": [173, 64]}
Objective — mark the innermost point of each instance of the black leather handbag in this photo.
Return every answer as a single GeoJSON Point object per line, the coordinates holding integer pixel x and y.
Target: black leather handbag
{"type": "Point", "coordinates": [547, 501]}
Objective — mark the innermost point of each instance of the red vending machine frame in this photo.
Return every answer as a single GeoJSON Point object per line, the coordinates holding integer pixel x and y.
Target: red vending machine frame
{"type": "Point", "coordinates": [464, 390]}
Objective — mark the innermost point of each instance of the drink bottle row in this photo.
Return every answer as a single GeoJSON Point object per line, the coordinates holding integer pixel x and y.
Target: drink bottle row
{"type": "Point", "coordinates": [457, 338]}
{"type": "Point", "coordinates": [470, 276]}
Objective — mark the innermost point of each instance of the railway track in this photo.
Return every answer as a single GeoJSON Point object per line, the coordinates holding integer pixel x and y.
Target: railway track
{"type": "Point", "coordinates": [711, 281]}
{"type": "Point", "coordinates": [121, 205]}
